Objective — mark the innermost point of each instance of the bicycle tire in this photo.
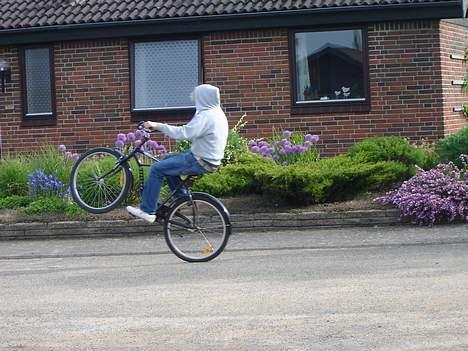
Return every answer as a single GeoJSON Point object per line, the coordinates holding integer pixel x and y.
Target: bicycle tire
{"type": "Point", "coordinates": [192, 247]}
{"type": "Point", "coordinates": [88, 159]}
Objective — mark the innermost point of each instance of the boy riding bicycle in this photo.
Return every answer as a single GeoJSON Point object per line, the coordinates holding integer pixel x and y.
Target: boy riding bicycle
{"type": "Point", "coordinates": [208, 132]}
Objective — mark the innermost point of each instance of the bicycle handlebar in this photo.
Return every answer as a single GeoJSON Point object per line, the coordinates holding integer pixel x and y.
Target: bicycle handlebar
{"type": "Point", "coordinates": [141, 126]}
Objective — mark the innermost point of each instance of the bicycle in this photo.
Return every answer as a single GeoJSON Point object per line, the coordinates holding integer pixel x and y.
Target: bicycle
{"type": "Point", "coordinates": [197, 226]}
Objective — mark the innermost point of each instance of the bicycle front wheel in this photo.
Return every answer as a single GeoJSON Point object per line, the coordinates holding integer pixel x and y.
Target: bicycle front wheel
{"type": "Point", "coordinates": [197, 230]}
{"type": "Point", "coordinates": [98, 182]}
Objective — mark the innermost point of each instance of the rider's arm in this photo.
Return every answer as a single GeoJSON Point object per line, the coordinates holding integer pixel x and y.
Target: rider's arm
{"type": "Point", "coordinates": [189, 131]}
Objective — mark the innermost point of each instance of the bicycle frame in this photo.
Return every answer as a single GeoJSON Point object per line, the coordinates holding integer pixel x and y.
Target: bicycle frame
{"type": "Point", "coordinates": [136, 152]}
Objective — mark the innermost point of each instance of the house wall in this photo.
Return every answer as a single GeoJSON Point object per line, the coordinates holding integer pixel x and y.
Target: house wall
{"type": "Point", "coordinates": [252, 70]}
{"type": "Point", "coordinates": [453, 40]}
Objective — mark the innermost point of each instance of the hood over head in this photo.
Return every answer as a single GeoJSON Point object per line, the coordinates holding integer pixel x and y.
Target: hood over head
{"type": "Point", "coordinates": [206, 97]}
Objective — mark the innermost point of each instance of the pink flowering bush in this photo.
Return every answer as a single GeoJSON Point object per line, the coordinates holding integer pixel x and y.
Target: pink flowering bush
{"type": "Point", "coordinates": [434, 196]}
{"type": "Point", "coordinates": [287, 148]}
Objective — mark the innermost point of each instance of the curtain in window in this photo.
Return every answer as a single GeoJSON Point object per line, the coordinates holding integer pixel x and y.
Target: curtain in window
{"type": "Point", "coordinates": [302, 67]}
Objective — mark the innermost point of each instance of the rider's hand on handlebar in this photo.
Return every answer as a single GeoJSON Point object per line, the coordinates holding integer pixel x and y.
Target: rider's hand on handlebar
{"type": "Point", "coordinates": [150, 126]}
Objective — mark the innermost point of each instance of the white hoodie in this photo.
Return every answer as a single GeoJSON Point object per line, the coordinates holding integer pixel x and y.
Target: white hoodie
{"type": "Point", "coordinates": [208, 129]}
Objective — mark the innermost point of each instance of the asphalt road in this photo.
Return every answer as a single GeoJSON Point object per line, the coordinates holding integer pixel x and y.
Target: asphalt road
{"type": "Point", "coordinates": [393, 288]}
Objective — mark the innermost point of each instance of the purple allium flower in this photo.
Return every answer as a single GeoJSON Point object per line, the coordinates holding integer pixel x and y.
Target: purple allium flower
{"type": "Point", "coordinates": [122, 137]}
{"type": "Point", "coordinates": [263, 143]}
{"type": "Point", "coordinates": [161, 149]}
{"type": "Point", "coordinates": [75, 157]}
{"type": "Point", "coordinates": [276, 158]}
{"type": "Point", "coordinates": [139, 134]}
{"type": "Point", "coordinates": [307, 144]}
{"type": "Point", "coordinates": [68, 155]}
{"type": "Point", "coordinates": [315, 138]}
{"type": "Point", "coordinates": [282, 152]}
{"type": "Point", "coordinates": [62, 148]}
{"type": "Point", "coordinates": [131, 137]}
{"type": "Point", "coordinates": [137, 143]}
{"type": "Point", "coordinates": [119, 143]}
{"type": "Point", "coordinates": [255, 149]}
{"type": "Point", "coordinates": [287, 134]}
{"type": "Point", "coordinates": [153, 145]}
{"type": "Point", "coordinates": [252, 143]}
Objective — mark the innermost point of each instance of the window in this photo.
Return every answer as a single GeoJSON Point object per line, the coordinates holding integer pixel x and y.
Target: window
{"type": "Point", "coordinates": [38, 89]}
{"type": "Point", "coordinates": [329, 69]}
{"type": "Point", "coordinates": [164, 74]}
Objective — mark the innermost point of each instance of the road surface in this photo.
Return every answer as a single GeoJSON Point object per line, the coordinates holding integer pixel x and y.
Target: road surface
{"type": "Point", "coordinates": [391, 288]}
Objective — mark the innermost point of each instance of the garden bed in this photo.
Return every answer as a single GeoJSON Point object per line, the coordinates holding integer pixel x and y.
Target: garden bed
{"type": "Point", "coordinates": [241, 205]}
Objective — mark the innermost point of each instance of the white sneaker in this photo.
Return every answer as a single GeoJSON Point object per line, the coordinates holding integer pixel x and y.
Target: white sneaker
{"type": "Point", "coordinates": [141, 214]}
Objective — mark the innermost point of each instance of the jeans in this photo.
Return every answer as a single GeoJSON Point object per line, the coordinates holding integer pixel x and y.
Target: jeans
{"type": "Point", "coordinates": [171, 167]}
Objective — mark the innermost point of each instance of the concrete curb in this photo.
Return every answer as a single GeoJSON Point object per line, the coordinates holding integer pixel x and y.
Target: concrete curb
{"type": "Point", "coordinates": [241, 222]}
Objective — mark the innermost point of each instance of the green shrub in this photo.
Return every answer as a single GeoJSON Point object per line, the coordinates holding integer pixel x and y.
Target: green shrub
{"type": "Point", "coordinates": [236, 147]}
{"type": "Point", "coordinates": [13, 177]}
{"type": "Point", "coordinates": [51, 162]}
{"type": "Point", "coordinates": [14, 171]}
{"type": "Point", "coordinates": [52, 205]}
{"type": "Point", "coordinates": [333, 179]}
{"type": "Point", "coordinates": [450, 148]}
{"type": "Point", "coordinates": [390, 148]}
{"type": "Point", "coordinates": [45, 205]}
{"type": "Point", "coordinates": [15, 201]}
{"type": "Point", "coordinates": [243, 177]}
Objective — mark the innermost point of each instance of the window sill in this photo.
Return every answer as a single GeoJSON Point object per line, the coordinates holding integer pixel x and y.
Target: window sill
{"type": "Point", "coordinates": [330, 107]}
{"type": "Point", "coordinates": [163, 115]}
{"type": "Point", "coordinates": [39, 120]}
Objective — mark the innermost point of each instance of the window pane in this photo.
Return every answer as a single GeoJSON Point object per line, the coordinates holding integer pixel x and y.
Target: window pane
{"type": "Point", "coordinates": [38, 81]}
{"type": "Point", "coordinates": [165, 73]}
{"type": "Point", "coordinates": [329, 65]}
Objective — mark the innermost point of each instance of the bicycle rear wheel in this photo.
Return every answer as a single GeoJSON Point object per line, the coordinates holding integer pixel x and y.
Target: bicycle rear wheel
{"type": "Point", "coordinates": [98, 183]}
{"type": "Point", "coordinates": [197, 230]}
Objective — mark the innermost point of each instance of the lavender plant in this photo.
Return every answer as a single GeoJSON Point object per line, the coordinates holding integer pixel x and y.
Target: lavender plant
{"type": "Point", "coordinates": [433, 196]}
{"type": "Point", "coordinates": [41, 184]}
{"type": "Point", "coordinates": [287, 148]}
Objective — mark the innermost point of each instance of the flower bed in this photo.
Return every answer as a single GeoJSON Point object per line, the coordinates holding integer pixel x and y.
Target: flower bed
{"type": "Point", "coordinates": [286, 168]}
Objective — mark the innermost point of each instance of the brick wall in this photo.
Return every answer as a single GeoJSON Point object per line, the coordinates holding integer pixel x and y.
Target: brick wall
{"type": "Point", "coordinates": [91, 81]}
{"type": "Point", "coordinates": [453, 40]}
{"type": "Point", "coordinates": [252, 70]}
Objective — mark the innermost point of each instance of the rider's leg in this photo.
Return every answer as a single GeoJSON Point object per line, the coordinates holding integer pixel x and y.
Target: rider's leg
{"type": "Point", "coordinates": [175, 182]}
{"type": "Point", "coordinates": [180, 164]}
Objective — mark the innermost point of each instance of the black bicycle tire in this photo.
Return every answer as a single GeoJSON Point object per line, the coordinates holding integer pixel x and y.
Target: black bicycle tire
{"type": "Point", "coordinates": [219, 206]}
{"type": "Point", "coordinates": [118, 201]}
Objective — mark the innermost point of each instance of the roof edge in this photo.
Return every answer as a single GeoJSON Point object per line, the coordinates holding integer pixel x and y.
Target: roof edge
{"type": "Point", "coordinates": [284, 19]}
